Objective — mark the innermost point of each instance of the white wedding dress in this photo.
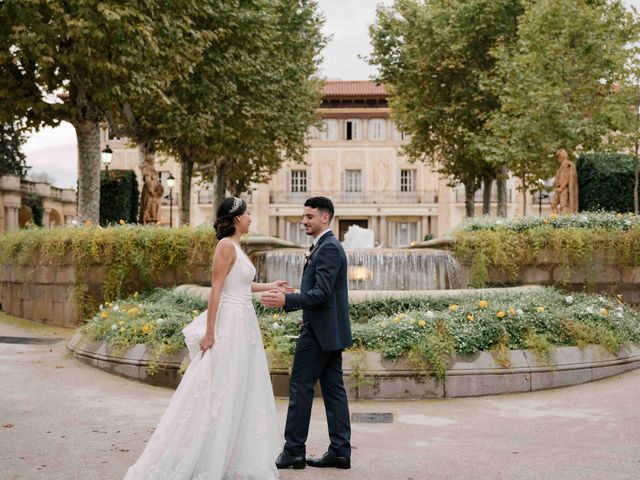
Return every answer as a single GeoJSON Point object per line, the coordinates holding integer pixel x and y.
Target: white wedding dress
{"type": "Point", "coordinates": [221, 423]}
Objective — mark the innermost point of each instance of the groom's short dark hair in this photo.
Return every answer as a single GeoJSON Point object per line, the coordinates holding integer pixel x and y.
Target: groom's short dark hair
{"type": "Point", "coordinates": [321, 203]}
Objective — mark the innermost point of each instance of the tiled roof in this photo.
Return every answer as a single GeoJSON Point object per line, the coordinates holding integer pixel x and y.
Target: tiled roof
{"type": "Point", "coordinates": [353, 88]}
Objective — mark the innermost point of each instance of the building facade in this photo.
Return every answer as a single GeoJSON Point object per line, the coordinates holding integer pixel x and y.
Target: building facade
{"type": "Point", "coordinates": [59, 204]}
{"type": "Point", "coordinates": [355, 159]}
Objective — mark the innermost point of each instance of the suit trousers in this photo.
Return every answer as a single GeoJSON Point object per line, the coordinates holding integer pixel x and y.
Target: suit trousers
{"type": "Point", "coordinates": [311, 364]}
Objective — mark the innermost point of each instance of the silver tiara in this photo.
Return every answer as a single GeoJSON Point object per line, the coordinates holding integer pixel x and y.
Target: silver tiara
{"type": "Point", "coordinates": [237, 203]}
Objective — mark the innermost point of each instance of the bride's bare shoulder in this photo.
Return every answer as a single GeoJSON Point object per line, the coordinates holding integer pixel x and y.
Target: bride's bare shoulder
{"type": "Point", "coordinates": [225, 246]}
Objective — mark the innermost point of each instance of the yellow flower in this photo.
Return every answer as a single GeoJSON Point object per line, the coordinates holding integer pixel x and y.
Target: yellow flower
{"type": "Point", "coordinates": [422, 323]}
{"type": "Point", "coordinates": [402, 315]}
{"type": "Point", "coordinates": [122, 330]}
{"type": "Point", "coordinates": [275, 317]}
{"type": "Point", "coordinates": [122, 222]}
{"type": "Point", "coordinates": [104, 314]}
{"type": "Point", "coordinates": [545, 221]}
{"type": "Point", "coordinates": [412, 321]}
{"type": "Point", "coordinates": [483, 304]}
{"type": "Point", "coordinates": [618, 215]}
{"type": "Point", "coordinates": [512, 311]}
{"type": "Point", "coordinates": [540, 309]}
{"type": "Point", "coordinates": [553, 216]}
{"type": "Point", "coordinates": [396, 320]}
{"type": "Point", "coordinates": [146, 329]}
{"type": "Point", "coordinates": [500, 314]}
{"type": "Point", "coordinates": [604, 312]}
{"type": "Point", "coordinates": [133, 312]}
{"type": "Point", "coordinates": [470, 317]}
{"type": "Point", "coordinates": [121, 322]}
{"type": "Point", "coordinates": [453, 307]}
{"type": "Point", "coordinates": [87, 223]}
{"type": "Point", "coordinates": [135, 294]}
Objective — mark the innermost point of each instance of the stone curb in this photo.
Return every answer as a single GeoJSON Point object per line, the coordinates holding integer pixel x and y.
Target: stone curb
{"type": "Point", "coordinates": [370, 376]}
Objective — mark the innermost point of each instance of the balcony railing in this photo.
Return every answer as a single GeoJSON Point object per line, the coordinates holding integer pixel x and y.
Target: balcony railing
{"type": "Point", "coordinates": [205, 197]}
{"type": "Point", "coordinates": [388, 197]}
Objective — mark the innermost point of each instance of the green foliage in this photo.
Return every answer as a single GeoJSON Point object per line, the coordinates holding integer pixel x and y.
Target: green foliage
{"type": "Point", "coordinates": [576, 241]}
{"type": "Point", "coordinates": [132, 256]}
{"type": "Point", "coordinates": [606, 182]}
{"type": "Point", "coordinates": [12, 160]}
{"type": "Point", "coordinates": [34, 202]}
{"type": "Point", "coordinates": [564, 83]}
{"type": "Point", "coordinates": [429, 333]}
{"type": "Point", "coordinates": [119, 197]}
{"type": "Point", "coordinates": [434, 57]}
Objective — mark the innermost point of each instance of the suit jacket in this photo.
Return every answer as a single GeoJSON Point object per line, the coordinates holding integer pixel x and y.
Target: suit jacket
{"type": "Point", "coordinates": [324, 295]}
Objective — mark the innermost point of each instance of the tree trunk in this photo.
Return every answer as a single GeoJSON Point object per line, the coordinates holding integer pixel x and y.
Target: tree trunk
{"type": "Point", "coordinates": [636, 210]}
{"type": "Point", "coordinates": [88, 134]}
{"type": "Point", "coordinates": [147, 153]}
{"type": "Point", "coordinates": [186, 173]}
{"type": "Point", "coordinates": [486, 196]}
{"type": "Point", "coordinates": [524, 202]}
{"type": "Point", "coordinates": [469, 202]}
{"type": "Point", "coordinates": [219, 189]}
{"type": "Point", "coordinates": [502, 191]}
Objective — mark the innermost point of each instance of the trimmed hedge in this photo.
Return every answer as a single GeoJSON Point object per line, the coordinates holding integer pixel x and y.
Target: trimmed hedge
{"type": "Point", "coordinates": [605, 182]}
{"type": "Point", "coordinates": [119, 197]}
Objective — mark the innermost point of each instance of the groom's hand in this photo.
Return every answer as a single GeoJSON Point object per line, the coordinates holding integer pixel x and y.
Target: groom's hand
{"type": "Point", "coordinates": [273, 299]}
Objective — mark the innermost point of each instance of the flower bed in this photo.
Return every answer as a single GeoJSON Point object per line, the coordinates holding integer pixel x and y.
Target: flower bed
{"type": "Point", "coordinates": [580, 249]}
{"type": "Point", "coordinates": [427, 332]}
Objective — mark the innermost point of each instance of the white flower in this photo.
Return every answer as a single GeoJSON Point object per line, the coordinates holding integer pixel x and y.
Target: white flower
{"type": "Point", "coordinates": [584, 218]}
{"type": "Point", "coordinates": [590, 309]}
{"type": "Point", "coordinates": [114, 327]}
{"type": "Point", "coordinates": [499, 222]}
{"type": "Point", "coordinates": [275, 325]}
{"type": "Point", "coordinates": [116, 308]}
{"type": "Point", "coordinates": [519, 312]}
{"type": "Point", "coordinates": [568, 299]}
{"type": "Point", "coordinates": [619, 314]}
{"type": "Point", "coordinates": [160, 321]}
{"type": "Point", "coordinates": [627, 223]}
{"type": "Point", "coordinates": [101, 307]}
{"type": "Point", "coordinates": [429, 314]}
{"type": "Point", "coordinates": [74, 223]}
{"type": "Point", "coordinates": [619, 309]}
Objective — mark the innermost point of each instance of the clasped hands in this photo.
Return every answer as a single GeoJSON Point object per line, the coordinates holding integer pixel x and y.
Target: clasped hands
{"type": "Point", "coordinates": [274, 297]}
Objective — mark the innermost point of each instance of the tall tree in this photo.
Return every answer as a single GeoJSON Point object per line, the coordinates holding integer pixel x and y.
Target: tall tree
{"type": "Point", "coordinates": [434, 57]}
{"type": "Point", "coordinates": [12, 159]}
{"type": "Point", "coordinates": [92, 55]}
{"type": "Point", "coordinates": [249, 103]}
{"type": "Point", "coordinates": [562, 84]}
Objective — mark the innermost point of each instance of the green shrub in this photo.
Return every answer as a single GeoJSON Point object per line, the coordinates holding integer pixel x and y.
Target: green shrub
{"type": "Point", "coordinates": [428, 333]}
{"type": "Point", "coordinates": [605, 182]}
{"type": "Point", "coordinates": [119, 197]}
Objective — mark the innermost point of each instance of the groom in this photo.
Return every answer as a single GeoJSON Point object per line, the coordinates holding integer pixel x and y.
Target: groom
{"type": "Point", "coordinates": [325, 332]}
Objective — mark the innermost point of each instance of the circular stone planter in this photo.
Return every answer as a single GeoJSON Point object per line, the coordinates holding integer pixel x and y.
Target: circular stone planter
{"type": "Point", "coordinates": [369, 376]}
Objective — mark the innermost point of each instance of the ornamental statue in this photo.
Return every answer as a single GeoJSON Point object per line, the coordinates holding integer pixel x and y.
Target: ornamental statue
{"type": "Point", "coordinates": [152, 191]}
{"type": "Point", "coordinates": [565, 185]}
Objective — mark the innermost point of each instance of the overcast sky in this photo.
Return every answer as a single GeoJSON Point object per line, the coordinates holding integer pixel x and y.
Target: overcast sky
{"type": "Point", "coordinates": [53, 151]}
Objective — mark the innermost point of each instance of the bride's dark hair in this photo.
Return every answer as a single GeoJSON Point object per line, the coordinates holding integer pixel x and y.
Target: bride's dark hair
{"type": "Point", "coordinates": [229, 209]}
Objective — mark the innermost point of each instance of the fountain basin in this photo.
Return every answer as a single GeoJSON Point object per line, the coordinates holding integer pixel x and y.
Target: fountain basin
{"type": "Point", "coordinates": [371, 269]}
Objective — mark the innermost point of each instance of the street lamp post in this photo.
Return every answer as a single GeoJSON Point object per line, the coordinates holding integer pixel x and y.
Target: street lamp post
{"type": "Point", "coordinates": [171, 182]}
{"type": "Point", "coordinates": [106, 155]}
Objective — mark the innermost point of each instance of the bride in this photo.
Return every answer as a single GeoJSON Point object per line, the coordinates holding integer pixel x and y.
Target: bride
{"type": "Point", "coordinates": [221, 422]}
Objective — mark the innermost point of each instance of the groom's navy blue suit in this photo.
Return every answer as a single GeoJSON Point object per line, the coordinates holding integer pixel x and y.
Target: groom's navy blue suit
{"type": "Point", "coordinates": [326, 331]}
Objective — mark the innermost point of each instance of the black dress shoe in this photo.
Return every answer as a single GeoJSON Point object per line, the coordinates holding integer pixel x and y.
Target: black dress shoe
{"type": "Point", "coordinates": [330, 460]}
{"type": "Point", "coordinates": [290, 461]}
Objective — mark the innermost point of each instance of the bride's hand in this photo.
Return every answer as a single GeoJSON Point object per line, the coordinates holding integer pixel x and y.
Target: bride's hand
{"type": "Point", "coordinates": [207, 342]}
{"type": "Point", "coordinates": [279, 285]}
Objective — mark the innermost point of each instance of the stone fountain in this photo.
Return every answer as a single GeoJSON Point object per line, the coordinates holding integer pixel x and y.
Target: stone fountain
{"type": "Point", "coordinates": [370, 269]}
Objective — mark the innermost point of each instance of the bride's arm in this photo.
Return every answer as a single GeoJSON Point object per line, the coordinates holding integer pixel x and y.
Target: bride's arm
{"type": "Point", "coordinates": [265, 287]}
{"type": "Point", "coordinates": [223, 259]}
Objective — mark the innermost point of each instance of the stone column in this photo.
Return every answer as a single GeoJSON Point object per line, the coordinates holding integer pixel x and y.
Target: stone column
{"type": "Point", "coordinates": [281, 228]}
{"type": "Point", "coordinates": [384, 231]}
{"type": "Point", "coordinates": [46, 218]}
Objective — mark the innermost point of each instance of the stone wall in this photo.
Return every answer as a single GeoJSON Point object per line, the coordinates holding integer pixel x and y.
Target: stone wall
{"type": "Point", "coordinates": [47, 293]}
{"type": "Point", "coordinates": [602, 276]}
